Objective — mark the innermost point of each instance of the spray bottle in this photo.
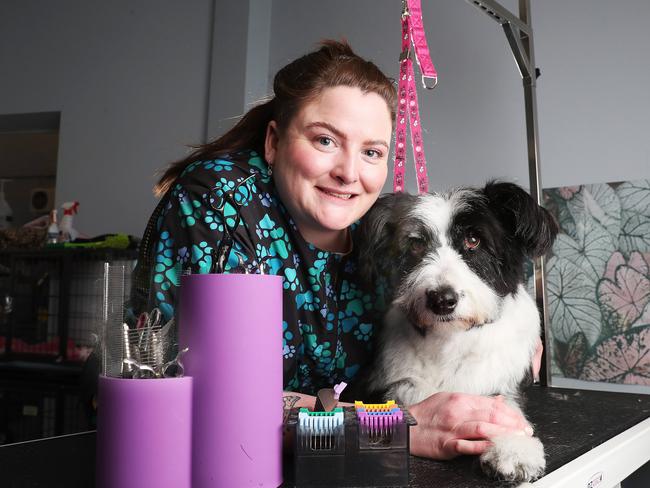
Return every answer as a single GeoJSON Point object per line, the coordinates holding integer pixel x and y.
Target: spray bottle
{"type": "Point", "coordinates": [68, 233]}
{"type": "Point", "coordinates": [6, 214]}
{"type": "Point", "coordinates": [52, 229]}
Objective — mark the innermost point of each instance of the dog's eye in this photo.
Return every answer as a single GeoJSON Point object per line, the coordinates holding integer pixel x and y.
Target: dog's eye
{"type": "Point", "coordinates": [416, 245]}
{"type": "Point", "coordinates": [471, 242]}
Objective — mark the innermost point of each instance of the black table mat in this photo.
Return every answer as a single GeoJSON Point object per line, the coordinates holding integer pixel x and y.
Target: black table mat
{"type": "Point", "coordinates": [569, 423]}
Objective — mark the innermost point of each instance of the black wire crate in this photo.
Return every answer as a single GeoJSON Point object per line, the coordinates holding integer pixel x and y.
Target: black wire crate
{"type": "Point", "coordinates": [53, 301]}
{"type": "Point", "coordinates": [35, 410]}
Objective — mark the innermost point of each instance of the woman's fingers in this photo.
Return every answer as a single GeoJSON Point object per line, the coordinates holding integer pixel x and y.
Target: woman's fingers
{"type": "Point", "coordinates": [451, 424]}
{"type": "Point", "coordinates": [455, 447]}
{"type": "Point", "coordinates": [453, 408]}
{"type": "Point", "coordinates": [505, 418]}
{"type": "Point", "coordinates": [482, 430]}
{"type": "Point", "coordinates": [497, 411]}
{"type": "Point", "coordinates": [473, 437]}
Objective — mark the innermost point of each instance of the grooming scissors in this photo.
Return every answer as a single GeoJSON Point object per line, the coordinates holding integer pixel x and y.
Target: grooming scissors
{"type": "Point", "coordinates": [174, 368]}
{"type": "Point", "coordinates": [171, 369]}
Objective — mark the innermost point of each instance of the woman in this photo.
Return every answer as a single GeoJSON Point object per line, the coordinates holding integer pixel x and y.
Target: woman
{"type": "Point", "coordinates": [318, 151]}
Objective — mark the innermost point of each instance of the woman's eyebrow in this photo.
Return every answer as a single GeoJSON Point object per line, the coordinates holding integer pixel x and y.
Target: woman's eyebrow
{"type": "Point", "coordinates": [376, 142]}
{"type": "Point", "coordinates": [328, 126]}
{"type": "Point", "coordinates": [341, 135]}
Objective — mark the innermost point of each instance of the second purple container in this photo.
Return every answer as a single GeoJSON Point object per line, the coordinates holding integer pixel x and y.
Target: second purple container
{"type": "Point", "coordinates": [232, 324]}
{"type": "Point", "coordinates": [144, 432]}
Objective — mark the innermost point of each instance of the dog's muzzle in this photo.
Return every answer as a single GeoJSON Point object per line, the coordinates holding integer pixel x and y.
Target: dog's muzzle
{"type": "Point", "coordinates": [442, 301]}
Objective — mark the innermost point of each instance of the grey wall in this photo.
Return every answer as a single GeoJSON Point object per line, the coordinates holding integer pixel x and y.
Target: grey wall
{"type": "Point", "coordinates": [137, 81]}
{"type": "Point", "coordinates": [130, 80]}
{"type": "Point", "coordinates": [594, 106]}
{"type": "Point", "coordinates": [240, 61]}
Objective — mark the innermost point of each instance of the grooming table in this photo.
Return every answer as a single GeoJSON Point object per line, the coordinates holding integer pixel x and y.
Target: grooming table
{"type": "Point", "coordinates": [585, 433]}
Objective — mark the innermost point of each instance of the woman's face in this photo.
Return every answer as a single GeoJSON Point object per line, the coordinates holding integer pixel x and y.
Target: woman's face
{"type": "Point", "coordinates": [330, 163]}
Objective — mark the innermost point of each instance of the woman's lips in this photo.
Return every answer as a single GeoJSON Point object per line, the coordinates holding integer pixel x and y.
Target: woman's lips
{"type": "Point", "coordinates": [338, 195]}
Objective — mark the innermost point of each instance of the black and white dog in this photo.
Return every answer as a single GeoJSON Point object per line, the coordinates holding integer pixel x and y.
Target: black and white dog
{"type": "Point", "coordinates": [460, 319]}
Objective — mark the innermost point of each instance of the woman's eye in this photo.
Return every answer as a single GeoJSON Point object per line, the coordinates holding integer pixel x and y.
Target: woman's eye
{"type": "Point", "coordinates": [471, 242]}
{"type": "Point", "coordinates": [373, 153]}
{"type": "Point", "coordinates": [325, 141]}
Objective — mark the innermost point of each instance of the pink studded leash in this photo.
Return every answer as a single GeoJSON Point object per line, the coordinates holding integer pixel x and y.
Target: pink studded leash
{"type": "Point", "coordinates": [412, 32]}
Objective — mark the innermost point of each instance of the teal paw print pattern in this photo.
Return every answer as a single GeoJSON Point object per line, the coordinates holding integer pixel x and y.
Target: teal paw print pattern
{"type": "Point", "coordinates": [270, 258]}
{"type": "Point", "coordinates": [329, 319]}
{"type": "Point", "coordinates": [166, 272]}
{"type": "Point", "coordinates": [328, 322]}
{"type": "Point", "coordinates": [307, 301]}
{"type": "Point", "coordinates": [363, 332]}
{"type": "Point", "coordinates": [188, 209]}
{"type": "Point", "coordinates": [213, 221]}
{"type": "Point", "coordinates": [316, 271]}
{"type": "Point", "coordinates": [288, 348]}
{"type": "Point", "coordinates": [357, 305]}
{"type": "Point", "coordinates": [261, 166]}
{"type": "Point", "coordinates": [201, 256]}
{"type": "Point", "coordinates": [265, 199]}
{"type": "Point", "coordinates": [290, 279]}
{"type": "Point", "coordinates": [191, 167]}
{"type": "Point", "coordinates": [319, 350]}
{"type": "Point", "coordinates": [267, 229]}
{"type": "Point", "coordinates": [293, 383]}
{"type": "Point", "coordinates": [235, 258]}
{"type": "Point", "coordinates": [218, 165]}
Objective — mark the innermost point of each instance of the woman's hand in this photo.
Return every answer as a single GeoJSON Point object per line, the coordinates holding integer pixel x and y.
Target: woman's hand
{"type": "Point", "coordinates": [451, 424]}
{"type": "Point", "coordinates": [537, 360]}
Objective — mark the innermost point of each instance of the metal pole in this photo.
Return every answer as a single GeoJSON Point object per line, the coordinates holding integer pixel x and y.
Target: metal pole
{"type": "Point", "coordinates": [534, 172]}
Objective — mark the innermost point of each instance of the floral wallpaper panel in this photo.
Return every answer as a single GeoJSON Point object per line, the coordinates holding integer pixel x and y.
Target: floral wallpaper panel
{"type": "Point", "coordinates": [598, 282]}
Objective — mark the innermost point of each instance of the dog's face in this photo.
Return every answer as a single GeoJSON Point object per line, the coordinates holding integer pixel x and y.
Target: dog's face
{"type": "Point", "coordinates": [451, 258]}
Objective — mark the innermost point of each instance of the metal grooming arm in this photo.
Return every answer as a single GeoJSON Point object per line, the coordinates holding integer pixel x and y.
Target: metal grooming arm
{"type": "Point", "coordinates": [519, 33]}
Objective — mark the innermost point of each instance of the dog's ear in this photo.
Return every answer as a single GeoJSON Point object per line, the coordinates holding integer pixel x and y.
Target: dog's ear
{"type": "Point", "coordinates": [375, 234]}
{"type": "Point", "coordinates": [531, 224]}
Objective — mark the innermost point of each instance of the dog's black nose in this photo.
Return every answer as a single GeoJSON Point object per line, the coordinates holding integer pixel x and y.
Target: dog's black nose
{"type": "Point", "coordinates": [442, 301]}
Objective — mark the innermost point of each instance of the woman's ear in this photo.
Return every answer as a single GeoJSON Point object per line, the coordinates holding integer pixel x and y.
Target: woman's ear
{"type": "Point", "coordinates": [271, 142]}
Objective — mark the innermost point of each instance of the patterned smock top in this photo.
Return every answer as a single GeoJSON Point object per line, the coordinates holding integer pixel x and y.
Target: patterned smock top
{"type": "Point", "coordinates": [328, 320]}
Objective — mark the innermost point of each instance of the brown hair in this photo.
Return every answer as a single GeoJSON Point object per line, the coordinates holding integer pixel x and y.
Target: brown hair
{"type": "Point", "coordinates": [301, 81]}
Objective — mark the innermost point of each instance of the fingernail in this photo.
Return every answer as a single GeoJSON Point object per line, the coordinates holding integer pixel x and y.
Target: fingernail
{"type": "Point", "coordinates": [529, 431]}
{"type": "Point", "coordinates": [520, 432]}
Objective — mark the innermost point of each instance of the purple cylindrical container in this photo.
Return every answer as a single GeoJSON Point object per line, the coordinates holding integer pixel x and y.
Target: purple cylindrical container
{"type": "Point", "coordinates": [232, 324]}
{"type": "Point", "coordinates": [144, 430]}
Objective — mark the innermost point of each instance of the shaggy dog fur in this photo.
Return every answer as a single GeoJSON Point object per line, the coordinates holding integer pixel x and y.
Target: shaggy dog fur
{"type": "Point", "coordinates": [460, 319]}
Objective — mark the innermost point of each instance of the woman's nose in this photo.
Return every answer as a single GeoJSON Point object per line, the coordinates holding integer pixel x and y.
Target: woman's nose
{"type": "Point", "coordinates": [346, 170]}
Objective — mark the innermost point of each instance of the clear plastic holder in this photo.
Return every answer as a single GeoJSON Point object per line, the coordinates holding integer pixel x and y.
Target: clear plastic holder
{"type": "Point", "coordinates": [353, 454]}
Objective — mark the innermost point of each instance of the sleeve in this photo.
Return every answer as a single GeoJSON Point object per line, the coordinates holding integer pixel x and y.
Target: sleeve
{"type": "Point", "coordinates": [189, 233]}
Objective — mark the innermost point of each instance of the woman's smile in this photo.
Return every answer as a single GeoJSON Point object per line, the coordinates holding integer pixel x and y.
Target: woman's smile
{"type": "Point", "coordinates": [336, 195]}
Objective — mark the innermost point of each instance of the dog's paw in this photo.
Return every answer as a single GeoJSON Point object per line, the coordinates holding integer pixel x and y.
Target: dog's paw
{"type": "Point", "coordinates": [514, 458]}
